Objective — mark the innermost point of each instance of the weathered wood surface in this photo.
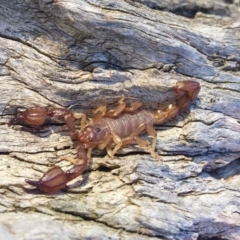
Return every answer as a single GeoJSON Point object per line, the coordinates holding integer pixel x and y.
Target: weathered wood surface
{"type": "Point", "coordinates": [87, 53]}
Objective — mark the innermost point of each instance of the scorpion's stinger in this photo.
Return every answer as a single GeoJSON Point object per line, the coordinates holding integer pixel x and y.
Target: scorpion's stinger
{"type": "Point", "coordinates": [190, 87]}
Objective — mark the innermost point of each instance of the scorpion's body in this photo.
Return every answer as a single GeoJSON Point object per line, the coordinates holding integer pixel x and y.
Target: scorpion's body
{"type": "Point", "coordinates": [125, 124]}
{"type": "Point", "coordinates": [109, 130]}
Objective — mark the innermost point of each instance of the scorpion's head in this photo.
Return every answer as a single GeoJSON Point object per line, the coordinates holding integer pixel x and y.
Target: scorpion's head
{"type": "Point", "coordinates": [92, 135]}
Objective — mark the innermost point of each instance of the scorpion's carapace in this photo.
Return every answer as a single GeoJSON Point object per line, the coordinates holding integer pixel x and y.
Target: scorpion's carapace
{"type": "Point", "coordinates": [110, 129]}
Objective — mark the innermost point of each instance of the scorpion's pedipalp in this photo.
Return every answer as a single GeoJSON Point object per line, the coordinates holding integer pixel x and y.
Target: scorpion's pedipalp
{"type": "Point", "coordinates": [37, 116]}
{"type": "Point", "coordinates": [14, 120]}
{"type": "Point", "coordinates": [56, 179]}
{"type": "Point", "coordinates": [53, 180]}
{"type": "Point", "coordinates": [34, 117]}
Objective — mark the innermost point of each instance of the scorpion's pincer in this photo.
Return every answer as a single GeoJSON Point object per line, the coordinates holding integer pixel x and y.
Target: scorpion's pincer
{"type": "Point", "coordinates": [52, 181]}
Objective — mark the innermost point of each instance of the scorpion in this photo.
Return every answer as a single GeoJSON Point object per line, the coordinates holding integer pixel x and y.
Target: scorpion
{"type": "Point", "coordinates": [109, 129]}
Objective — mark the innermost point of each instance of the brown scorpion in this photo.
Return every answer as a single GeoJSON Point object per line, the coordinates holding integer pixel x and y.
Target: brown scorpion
{"type": "Point", "coordinates": [109, 129]}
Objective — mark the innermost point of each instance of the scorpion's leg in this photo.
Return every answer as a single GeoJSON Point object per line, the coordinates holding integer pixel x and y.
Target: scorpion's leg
{"type": "Point", "coordinates": [133, 107]}
{"type": "Point", "coordinates": [143, 143]}
{"type": "Point", "coordinates": [112, 112]}
{"type": "Point", "coordinates": [107, 140]}
{"type": "Point", "coordinates": [82, 117]}
{"type": "Point", "coordinates": [118, 144]}
{"type": "Point", "coordinates": [123, 108]}
{"type": "Point", "coordinates": [55, 179]}
{"type": "Point", "coordinates": [116, 111]}
{"type": "Point", "coordinates": [134, 137]}
{"type": "Point", "coordinates": [102, 110]}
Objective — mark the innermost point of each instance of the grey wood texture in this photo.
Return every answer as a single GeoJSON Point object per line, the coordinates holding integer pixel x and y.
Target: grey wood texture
{"type": "Point", "coordinates": [83, 54]}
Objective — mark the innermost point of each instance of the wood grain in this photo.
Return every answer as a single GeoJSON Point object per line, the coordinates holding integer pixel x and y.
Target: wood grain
{"type": "Point", "coordinates": [82, 54]}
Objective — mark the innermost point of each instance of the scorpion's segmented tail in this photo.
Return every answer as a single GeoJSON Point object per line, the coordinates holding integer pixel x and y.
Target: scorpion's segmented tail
{"type": "Point", "coordinates": [187, 92]}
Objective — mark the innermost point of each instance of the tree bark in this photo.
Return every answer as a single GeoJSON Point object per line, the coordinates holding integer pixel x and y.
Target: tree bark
{"type": "Point", "coordinates": [83, 54]}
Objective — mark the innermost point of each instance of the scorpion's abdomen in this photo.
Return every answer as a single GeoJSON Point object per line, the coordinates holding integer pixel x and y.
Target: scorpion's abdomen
{"type": "Point", "coordinates": [127, 123]}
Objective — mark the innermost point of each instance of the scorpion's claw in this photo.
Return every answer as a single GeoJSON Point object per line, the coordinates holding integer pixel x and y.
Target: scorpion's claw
{"type": "Point", "coordinates": [32, 182]}
{"type": "Point", "coordinates": [13, 121]}
{"type": "Point", "coordinates": [52, 181]}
